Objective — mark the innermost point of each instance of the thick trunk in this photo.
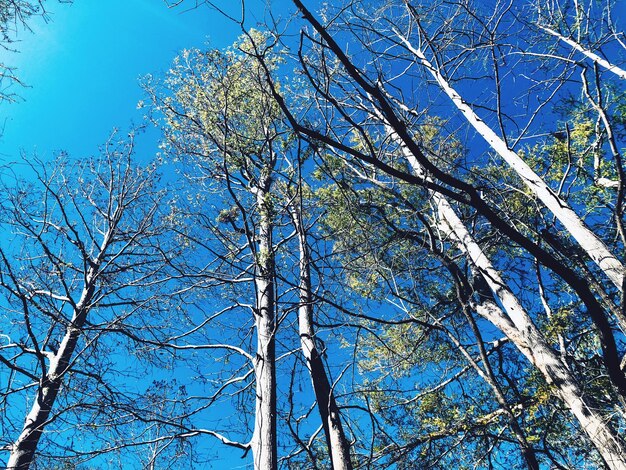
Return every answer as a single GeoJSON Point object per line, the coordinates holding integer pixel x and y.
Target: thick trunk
{"type": "Point", "coordinates": [263, 442]}
{"type": "Point", "coordinates": [24, 448]}
{"type": "Point", "coordinates": [593, 246]}
{"type": "Point", "coordinates": [264, 438]}
{"type": "Point", "coordinates": [519, 328]}
{"type": "Point", "coordinates": [532, 344]}
{"type": "Point", "coordinates": [338, 445]}
{"type": "Point", "coordinates": [527, 450]}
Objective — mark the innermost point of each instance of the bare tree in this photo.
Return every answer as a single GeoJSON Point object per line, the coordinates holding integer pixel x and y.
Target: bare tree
{"type": "Point", "coordinates": [84, 256]}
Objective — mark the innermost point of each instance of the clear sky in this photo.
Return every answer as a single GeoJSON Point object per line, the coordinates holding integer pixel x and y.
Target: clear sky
{"type": "Point", "coordinates": [83, 65]}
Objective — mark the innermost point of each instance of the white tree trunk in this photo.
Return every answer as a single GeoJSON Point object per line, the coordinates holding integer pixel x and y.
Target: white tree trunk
{"type": "Point", "coordinates": [588, 240]}
{"type": "Point", "coordinates": [532, 344]}
{"type": "Point", "coordinates": [338, 445]}
{"type": "Point", "coordinates": [263, 442]}
{"type": "Point", "coordinates": [621, 73]}
{"type": "Point", "coordinates": [519, 328]}
{"type": "Point", "coordinates": [24, 448]}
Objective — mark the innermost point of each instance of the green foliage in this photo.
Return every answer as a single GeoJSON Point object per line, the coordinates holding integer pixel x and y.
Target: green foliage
{"type": "Point", "coordinates": [217, 108]}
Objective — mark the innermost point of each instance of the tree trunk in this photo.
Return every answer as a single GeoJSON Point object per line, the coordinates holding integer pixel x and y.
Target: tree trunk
{"type": "Point", "coordinates": [621, 73]}
{"type": "Point", "coordinates": [593, 246]}
{"type": "Point", "coordinates": [24, 448]}
{"type": "Point", "coordinates": [532, 344]}
{"type": "Point", "coordinates": [263, 442]}
{"type": "Point", "coordinates": [517, 325]}
{"type": "Point", "coordinates": [520, 329]}
{"type": "Point", "coordinates": [527, 450]}
{"type": "Point", "coordinates": [338, 445]}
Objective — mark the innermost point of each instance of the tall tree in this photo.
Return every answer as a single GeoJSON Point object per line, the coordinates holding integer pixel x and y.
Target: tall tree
{"type": "Point", "coordinates": [395, 240]}
{"type": "Point", "coordinates": [336, 441]}
{"type": "Point", "coordinates": [223, 122]}
{"type": "Point", "coordinates": [221, 116]}
{"type": "Point", "coordinates": [370, 106]}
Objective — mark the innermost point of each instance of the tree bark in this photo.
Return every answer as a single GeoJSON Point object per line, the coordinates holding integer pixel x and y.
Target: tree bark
{"type": "Point", "coordinates": [338, 445]}
{"type": "Point", "coordinates": [264, 448]}
{"type": "Point", "coordinates": [24, 448]}
{"type": "Point", "coordinates": [593, 246]}
{"type": "Point", "coordinates": [517, 325]}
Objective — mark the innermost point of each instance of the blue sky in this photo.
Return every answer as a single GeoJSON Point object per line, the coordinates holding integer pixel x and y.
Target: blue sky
{"type": "Point", "coordinates": [82, 68]}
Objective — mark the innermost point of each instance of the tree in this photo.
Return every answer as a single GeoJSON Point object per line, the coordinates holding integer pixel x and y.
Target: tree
{"type": "Point", "coordinates": [85, 255]}
{"type": "Point", "coordinates": [393, 231]}
{"type": "Point", "coordinates": [364, 202]}
{"type": "Point", "coordinates": [225, 127]}
{"type": "Point", "coordinates": [366, 99]}
{"type": "Point", "coordinates": [216, 93]}
{"type": "Point", "coordinates": [336, 441]}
